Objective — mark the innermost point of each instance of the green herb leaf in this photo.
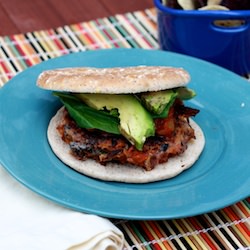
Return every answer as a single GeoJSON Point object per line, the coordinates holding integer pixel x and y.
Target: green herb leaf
{"type": "Point", "coordinates": [87, 117]}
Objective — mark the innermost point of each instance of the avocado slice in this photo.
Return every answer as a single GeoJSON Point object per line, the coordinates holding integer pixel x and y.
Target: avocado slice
{"type": "Point", "coordinates": [157, 102]}
{"type": "Point", "coordinates": [136, 124]}
{"type": "Point", "coordinates": [185, 93]}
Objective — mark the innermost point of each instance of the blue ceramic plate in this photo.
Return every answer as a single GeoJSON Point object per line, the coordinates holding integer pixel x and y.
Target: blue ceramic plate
{"type": "Point", "coordinates": [219, 178]}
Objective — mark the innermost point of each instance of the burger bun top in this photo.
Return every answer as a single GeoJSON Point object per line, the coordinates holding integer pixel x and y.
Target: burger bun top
{"type": "Point", "coordinates": [119, 80]}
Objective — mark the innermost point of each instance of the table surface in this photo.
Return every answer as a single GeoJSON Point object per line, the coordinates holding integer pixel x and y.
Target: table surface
{"type": "Point", "coordinates": [29, 15]}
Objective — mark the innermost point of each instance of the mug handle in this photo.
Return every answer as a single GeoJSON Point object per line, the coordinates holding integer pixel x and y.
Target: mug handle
{"type": "Point", "coordinates": [225, 25]}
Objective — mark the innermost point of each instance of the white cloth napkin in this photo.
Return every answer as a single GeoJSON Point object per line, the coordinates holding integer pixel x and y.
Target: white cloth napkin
{"type": "Point", "coordinates": [27, 221]}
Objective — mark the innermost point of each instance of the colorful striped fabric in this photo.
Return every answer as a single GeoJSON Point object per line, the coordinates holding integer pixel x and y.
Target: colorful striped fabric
{"type": "Point", "coordinates": [133, 30]}
{"type": "Point", "coordinates": [228, 228]}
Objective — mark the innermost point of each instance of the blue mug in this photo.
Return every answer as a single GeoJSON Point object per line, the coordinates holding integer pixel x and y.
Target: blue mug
{"type": "Point", "coordinates": [205, 34]}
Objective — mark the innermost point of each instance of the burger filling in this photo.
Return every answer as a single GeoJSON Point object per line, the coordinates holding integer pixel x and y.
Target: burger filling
{"type": "Point", "coordinates": [172, 135]}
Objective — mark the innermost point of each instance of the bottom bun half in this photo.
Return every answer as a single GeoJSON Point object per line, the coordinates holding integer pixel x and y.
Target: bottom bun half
{"type": "Point", "coordinates": [125, 173]}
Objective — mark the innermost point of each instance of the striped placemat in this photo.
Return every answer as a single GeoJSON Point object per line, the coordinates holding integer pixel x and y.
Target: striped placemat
{"type": "Point", "coordinates": [228, 228]}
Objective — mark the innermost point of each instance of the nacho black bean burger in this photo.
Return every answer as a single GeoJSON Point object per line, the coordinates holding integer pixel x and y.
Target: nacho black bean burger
{"type": "Point", "coordinates": [124, 124]}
